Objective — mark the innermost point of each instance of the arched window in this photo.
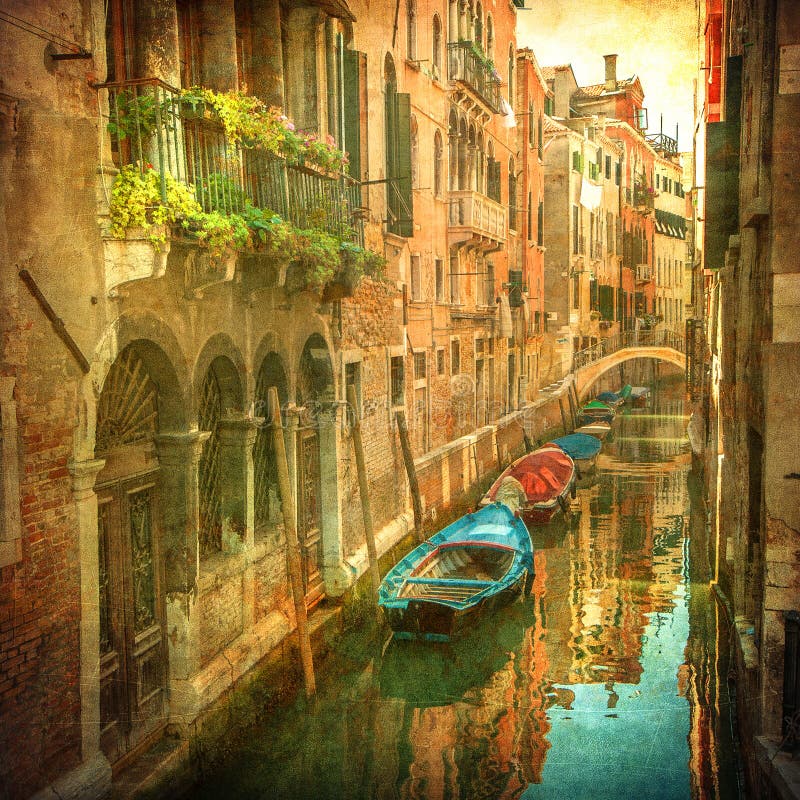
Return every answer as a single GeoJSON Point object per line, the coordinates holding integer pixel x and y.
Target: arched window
{"type": "Point", "coordinates": [438, 164]}
{"type": "Point", "coordinates": [481, 162]}
{"type": "Point", "coordinates": [411, 30]}
{"type": "Point", "coordinates": [266, 499]}
{"type": "Point", "coordinates": [437, 46]}
{"type": "Point", "coordinates": [479, 25]}
{"type": "Point", "coordinates": [489, 37]}
{"type": "Point", "coordinates": [511, 58]}
{"type": "Point", "coordinates": [530, 124]}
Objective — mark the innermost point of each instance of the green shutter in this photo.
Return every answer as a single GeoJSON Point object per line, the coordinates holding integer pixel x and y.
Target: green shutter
{"type": "Point", "coordinates": [402, 183]}
{"type": "Point", "coordinates": [593, 295]}
{"type": "Point", "coordinates": [606, 301]}
{"type": "Point", "coordinates": [576, 160]}
{"type": "Point", "coordinates": [353, 61]}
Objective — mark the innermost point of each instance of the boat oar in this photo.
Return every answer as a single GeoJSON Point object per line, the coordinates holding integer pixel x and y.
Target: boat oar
{"type": "Point", "coordinates": [293, 562]}
{"type": "Point", "coordinates": [363, 490]}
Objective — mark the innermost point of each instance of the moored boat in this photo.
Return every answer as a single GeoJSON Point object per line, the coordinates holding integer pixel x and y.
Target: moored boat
{"type": "Point", "coordinates": [547, 477]}
{"type": "Point", "coordinates": [640, 395]}
{"type": "Point", "coordinates": [595, 410]}
{"type": "Point", "coordinates": [597, 429]}
{"type": "Point", "coordinates": [582, 448]}
{"type": "Point", "coordinates": [478, 563]}
{"type": "Point", "coordinates": [611, 399]}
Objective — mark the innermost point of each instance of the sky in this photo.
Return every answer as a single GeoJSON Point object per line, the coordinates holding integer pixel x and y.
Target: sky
{"type": "Point", "coordinates": [654, 39]}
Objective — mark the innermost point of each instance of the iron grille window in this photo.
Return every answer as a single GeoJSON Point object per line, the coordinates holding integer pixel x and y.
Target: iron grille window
{"type": "Point", "coordinates": [266, 500]}
{"type": "Point", "coordinates": [440, 361]}
{"type": "Point", "coordinates": [398, 380]}
{"type": "Point", "coordinates": [209, 472]}
{"type": "Point", "coordinates": [455, 357]}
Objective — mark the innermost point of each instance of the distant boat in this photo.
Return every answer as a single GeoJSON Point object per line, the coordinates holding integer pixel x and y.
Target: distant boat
{"type": "Point", "coordinates": [611, 399]}
{"type": "Point", "coordinates": [625, 391]}
{"type": "Point", "coordinates": [597, 429]}
{"type": "Point", "coordinates": [595, 410]}
{"type": "Point", "coordinates": [640, 395]}
{"type": "Point", "coordinates": [582, 448]}
{"type": "Point", "coordinates": [547, 477]}
{"type": "Point", "coordinates": [476, 564]}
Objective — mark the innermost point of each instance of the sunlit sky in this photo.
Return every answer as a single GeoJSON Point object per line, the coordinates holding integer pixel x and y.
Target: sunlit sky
{"type": "Point", "coordinates": [654, 39]}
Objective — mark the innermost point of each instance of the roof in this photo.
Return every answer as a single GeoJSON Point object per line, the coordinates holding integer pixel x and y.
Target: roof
{"type": "Point", "coordinates": [551, 126]}
{"type": "Point", "coordinates": [599, 89]}
{"type": "Point", "coordinates": [550, 72]}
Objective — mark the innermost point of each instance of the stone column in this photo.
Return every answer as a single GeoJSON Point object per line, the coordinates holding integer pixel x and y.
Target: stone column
{"type": "Point", "coordinates": [84, 474]}
{"type": "Point", "coordinates": [236, 439]}
{"type": "Point", "coordinates": [218, 45]}
{"type": "Point", "coordinates": [157, 49]}
{"type": "Point", "coordinates": [472, 171]}
{"type": "Point", "coordinates": [267, 54]}
{"type": "Point", "coordinates": [179, 456]}
{"type": "Point", "coordinates": [462, 20]}
{"type": "Point", "coordinates": [337, 579]}
{"type": "Point", "coordinates": [452, 21]}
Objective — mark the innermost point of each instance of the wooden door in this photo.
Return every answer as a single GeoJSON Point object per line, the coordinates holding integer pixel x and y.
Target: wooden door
{"type": "Point", "coordinates": [133, 670]}
{"type": "Point", "coordinates": [309, 513]}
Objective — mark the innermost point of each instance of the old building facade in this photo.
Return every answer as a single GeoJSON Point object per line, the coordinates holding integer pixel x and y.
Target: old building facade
{"type": "Point", "coordinates": [750, 105]}
{"type": "Point", "coordinates": [143, 555]}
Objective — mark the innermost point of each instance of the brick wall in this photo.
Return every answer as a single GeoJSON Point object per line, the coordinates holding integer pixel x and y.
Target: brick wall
{"type": "Point", "coordinates": [220, 614]}
{"type": "Point", "coordinates": [40, 595]}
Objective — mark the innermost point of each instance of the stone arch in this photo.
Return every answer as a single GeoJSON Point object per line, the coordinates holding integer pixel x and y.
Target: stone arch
{"type": "Point", "coordinates": [587, 376]}
{"type": "Point", "coordinates": [166, 363]}
{"type": "Point", "coordinates": [229, 370]}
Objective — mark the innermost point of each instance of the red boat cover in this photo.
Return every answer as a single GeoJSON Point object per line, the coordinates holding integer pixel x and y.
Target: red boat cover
{"type": "Point", "coordinates": [543, 475]}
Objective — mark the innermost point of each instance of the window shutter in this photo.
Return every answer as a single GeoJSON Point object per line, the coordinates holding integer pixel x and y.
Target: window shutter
{"type": "Point", "coordinates": [493, 180]}
{"type": "Point", "coordinates": [593, 295]}
{"type": "Point", "coordinates": [354, 64]}
{"type": "Point", "coordinates": [606, 299]}
{"type": "Point", "coordinates": [398, 164]}
{"type": "Point", "coordinates": [540, 143]}
{"type": "Point", "coordinates": [540, 225]}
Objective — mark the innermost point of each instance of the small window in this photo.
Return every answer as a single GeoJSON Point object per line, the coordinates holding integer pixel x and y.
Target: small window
{"type": "Point", "coordinates": [440, 361]}
{"type": "Point", "coordinates": [455, 357]}
{"type": "Point", "coordinates": [416, 279]}
{"type": "Point", "coordinates": [439, 264]}
{"type": "Point", "coordinates": [608, 167]}
{"type": "Point", "coordinates": [420, 367]}
{"type": "Point", "coordinates": [398, 380]}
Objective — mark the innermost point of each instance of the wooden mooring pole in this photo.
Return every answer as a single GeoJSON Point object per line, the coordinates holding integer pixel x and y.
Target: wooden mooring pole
{"type": "Point", "coordinates": [363, 490]}
{"type": "Point", "coordinates": [292, 544]}
{"type": "Point", "coordinates": [408, 460]}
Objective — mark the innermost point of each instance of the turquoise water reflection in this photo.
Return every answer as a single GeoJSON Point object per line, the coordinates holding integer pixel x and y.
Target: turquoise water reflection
{"type": "Point", "coordinates": [604, 684]}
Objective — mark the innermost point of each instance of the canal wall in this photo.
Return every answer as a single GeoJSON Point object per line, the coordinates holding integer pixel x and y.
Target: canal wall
{"type": "Point", "coordinates": [452, 480]}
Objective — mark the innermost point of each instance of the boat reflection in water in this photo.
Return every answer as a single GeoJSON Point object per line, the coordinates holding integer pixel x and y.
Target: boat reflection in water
{"type": "Point", "coordinates": [608, 682]}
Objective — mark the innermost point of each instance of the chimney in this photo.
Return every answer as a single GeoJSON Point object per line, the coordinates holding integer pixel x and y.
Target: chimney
{"type": "Point", "coordinates": [611, 72]}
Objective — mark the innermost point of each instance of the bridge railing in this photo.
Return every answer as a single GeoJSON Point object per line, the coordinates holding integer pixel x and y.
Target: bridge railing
{"type": "Point", "coordinates": [612, 344]}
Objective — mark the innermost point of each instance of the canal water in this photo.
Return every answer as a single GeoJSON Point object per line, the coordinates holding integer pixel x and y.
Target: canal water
{"type": "Point", "coordinates": [609, 682]}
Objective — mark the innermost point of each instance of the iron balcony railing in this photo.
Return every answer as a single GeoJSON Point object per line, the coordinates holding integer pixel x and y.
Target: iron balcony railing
{"type": "Point", "coordinates": [644, 273]}
{"type": "Point", "coordinates": [660, 141]}
{"type": "Point", "coordinates": [612, 344]}
{"type": "Point", "coordinates": [468, 67]}
{"type": "Point", "coordinates": [150, 125]}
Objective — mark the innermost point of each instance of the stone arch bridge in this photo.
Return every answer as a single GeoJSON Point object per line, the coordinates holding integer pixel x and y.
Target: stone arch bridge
{"type": "Point", "coordinates": [591, 364]}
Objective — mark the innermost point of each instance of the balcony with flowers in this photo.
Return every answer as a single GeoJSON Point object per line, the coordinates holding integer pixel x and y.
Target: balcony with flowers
{"type": "Point", "coordinates": [231, 180]}
{"type": "Point", "coordinates": [470, 69]}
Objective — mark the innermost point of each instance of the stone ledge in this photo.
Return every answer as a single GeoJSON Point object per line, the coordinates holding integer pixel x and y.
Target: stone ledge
{"type": "Point", "coordinates": [89, 780]}
{"type": "Point", "coordinates": [747, 642]}
{"type": "Point", "coordinates": [189, 698]}
{"type": "Point", "coordinates": [780, 769]}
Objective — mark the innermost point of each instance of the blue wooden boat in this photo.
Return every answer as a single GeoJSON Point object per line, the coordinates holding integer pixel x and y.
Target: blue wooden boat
{"type": "Point", "coordinates": [582, 448]}
{"type": "Point", "coordinates": [476, 564]}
